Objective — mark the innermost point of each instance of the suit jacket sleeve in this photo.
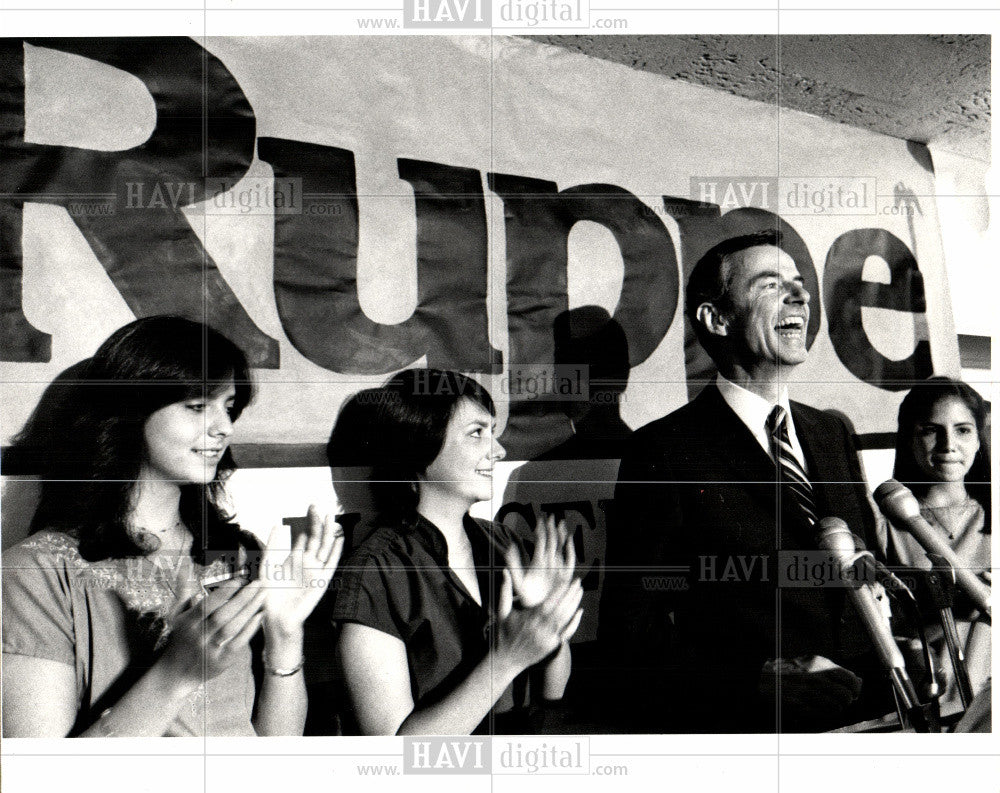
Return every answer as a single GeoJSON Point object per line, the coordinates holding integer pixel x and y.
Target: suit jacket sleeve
{"type": "Point", "coordinates": [636, 632]}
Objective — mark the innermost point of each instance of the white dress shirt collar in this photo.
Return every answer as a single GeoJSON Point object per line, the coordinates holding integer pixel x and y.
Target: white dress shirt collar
{"type": "Point", "coordinates": [753, 411]}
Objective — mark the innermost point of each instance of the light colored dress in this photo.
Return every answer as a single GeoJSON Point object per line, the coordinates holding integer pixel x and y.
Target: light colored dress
{"type": "Point", "coordinates": [107, 620]}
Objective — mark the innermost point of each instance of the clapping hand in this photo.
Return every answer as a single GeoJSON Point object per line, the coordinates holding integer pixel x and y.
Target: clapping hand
{"type": "Point", "coordinates": [528, 635]}
{"type": "Point", "coordinates": [208, 634]}
{"type": "Point", "coordinates": [295, 584]}
{"type": "Point", "coordinates": [552, 564]}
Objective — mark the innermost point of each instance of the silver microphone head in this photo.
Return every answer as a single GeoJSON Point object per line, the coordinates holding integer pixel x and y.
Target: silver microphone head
{"type": "Point", "coordinates": [833, 535]}
{"type": "Point", "coordinates": [893, 496]}
{"type": "Point", "coordinates": [887, 488]}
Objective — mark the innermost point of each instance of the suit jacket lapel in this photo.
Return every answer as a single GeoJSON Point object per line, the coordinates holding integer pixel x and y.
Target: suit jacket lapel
{"type": "Point", "coordinates": [742, 456]}
{"type": "Point", "coordinates": [805, 429]}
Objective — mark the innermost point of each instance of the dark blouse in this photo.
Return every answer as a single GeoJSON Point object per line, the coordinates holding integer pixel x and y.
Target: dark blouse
{"type": "Point", "coordinates": [398, 581]}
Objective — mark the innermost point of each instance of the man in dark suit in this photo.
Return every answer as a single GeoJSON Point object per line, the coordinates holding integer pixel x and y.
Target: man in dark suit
{"type": "Point", "coordinates": [710, 499]}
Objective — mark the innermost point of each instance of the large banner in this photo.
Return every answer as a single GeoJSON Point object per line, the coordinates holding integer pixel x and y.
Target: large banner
{"type": "Point", "coordinates": [344, 208]}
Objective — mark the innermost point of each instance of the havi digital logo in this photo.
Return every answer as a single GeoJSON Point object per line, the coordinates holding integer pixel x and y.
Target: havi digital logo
{"type": "Point", "coordinates": [446, 755]}
{"type": "Point", "coordinates": [447, 13]}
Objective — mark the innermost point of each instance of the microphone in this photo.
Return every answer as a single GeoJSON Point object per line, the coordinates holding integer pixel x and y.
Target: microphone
{"type": "Point", "coordinates": [900, 506]}
{"type": "Point", "coordinates": [834, 536]}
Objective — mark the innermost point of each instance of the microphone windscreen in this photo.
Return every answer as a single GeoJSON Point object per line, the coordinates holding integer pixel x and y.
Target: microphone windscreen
{"type": "Point", "coordinates": [833, 535]}
{"type": "Point", "coordinates": [887, 488]}
{"type": "Point", "coordinates": [896, 500]}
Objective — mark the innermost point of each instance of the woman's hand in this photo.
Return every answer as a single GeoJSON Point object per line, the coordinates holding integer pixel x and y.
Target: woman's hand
{"type": "Point", "coordinates": [552, 565]}
{"type": "Point", "coordinates": [527, 635]}
{"type": "Point", "coordinates": [208, 635]}
{"type": "Point", "coordinates": [296, 583]}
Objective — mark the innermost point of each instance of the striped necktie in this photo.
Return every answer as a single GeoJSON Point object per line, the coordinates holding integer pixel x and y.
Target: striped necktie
{"type": "Point", "coordinates": [792, 475]}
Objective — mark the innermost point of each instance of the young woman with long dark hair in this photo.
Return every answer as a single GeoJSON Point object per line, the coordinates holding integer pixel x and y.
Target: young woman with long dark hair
{"type": "Point", "coordinates": [129, 610]}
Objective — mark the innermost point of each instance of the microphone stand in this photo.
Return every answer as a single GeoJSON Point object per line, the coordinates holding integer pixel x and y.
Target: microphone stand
{"type": "Point", "coordinates": [940, 586]}
{"type": "Point", "coordinates": [859, 570]}
{"type": "Point", "coordinates": [922, 717]}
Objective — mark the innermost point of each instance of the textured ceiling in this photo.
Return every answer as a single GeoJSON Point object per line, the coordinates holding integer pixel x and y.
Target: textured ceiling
{"type": "Point", "coordinates": [929, 88]}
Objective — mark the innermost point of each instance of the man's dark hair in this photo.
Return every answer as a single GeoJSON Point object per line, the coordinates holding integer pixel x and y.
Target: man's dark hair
{"type": "Point", "coordinates": [709, 280]}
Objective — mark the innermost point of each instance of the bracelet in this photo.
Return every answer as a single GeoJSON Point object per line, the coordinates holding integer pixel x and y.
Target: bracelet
{"type": "Point", "coordinates": [277, 671]}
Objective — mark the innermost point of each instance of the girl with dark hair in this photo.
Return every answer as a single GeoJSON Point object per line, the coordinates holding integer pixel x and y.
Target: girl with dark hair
{"type": "Point", "coordinates": [429, 638]}
{"type": "Point", "coordinates": [128, 610]}
{"type": "Point", "coordinates": [941, 455]}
